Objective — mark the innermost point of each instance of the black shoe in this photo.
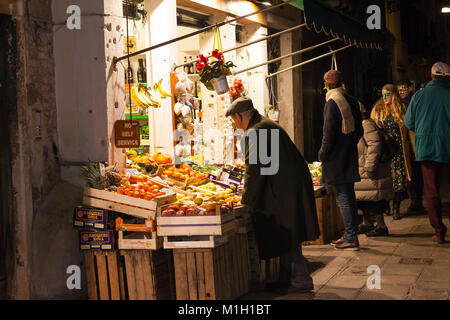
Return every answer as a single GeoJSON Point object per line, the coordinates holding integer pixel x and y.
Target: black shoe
{"type": "Point", "coordinates": [378, 232]}
{"type": "Point", "coordinates": [364, 228]}
{"type": "Point", "coordinates": [397, 215]}
{"type": "Point", "coordinates": [388, 210]}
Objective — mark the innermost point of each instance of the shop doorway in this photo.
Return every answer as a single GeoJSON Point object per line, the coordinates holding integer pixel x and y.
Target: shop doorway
{"type": "Point", "coordinates": [8, 103]}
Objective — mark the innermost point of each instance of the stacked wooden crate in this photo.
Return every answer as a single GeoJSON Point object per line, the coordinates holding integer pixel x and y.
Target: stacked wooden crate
{"type": "Point", "coordinates": [137, 268]}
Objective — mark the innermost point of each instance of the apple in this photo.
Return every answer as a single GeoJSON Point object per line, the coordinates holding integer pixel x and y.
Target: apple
{"type": "Point", "coordinates": [171, 212]}
{"type": "Point", "coordinates": [180, 213]}
{"type": "Point", "coordinates": [190, 212]}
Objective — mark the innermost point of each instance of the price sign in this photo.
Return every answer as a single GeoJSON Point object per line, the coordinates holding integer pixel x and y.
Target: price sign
{"type": "Point", "coordinates": [126, 134]}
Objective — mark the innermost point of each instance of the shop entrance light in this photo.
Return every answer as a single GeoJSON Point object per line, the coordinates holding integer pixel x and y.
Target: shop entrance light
{"type": "Point", "coordinates": [445, 7]}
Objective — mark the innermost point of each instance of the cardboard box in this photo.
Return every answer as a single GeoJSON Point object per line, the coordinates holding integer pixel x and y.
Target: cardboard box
{"type": "Point", "coordinates": [91, 218]}
{"type": "Point", "coordinates": [92, 239]}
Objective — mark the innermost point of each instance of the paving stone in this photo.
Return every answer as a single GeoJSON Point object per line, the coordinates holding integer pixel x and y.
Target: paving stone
{"type": "Point", "coordinates": [432, 285]}
{"type": "Point", "coordinates": [433, 273]}
{"type": "Point", "coordinates": [401, 269]}
{"type": "Point", "coordinates": [387, 292]}
{"type": "Point", "coordinates": [348, 282]}
{"type": "Point", "coordinates": [369, 259]}
{"type": "Point", "coordinates": [387, 279]}
{"type": "Point", "coordinates": [331, 293]}
{"type": "Point", "coordinates": [418, 293]}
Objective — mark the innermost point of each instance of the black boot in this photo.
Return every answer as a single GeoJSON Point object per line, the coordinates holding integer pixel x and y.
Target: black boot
{"type": "Point", "coordinates": [367, 224]}
{"type": "Point", "coordinates": [396, 210]}
{"type": "Point", "coordinates": [388, 211]}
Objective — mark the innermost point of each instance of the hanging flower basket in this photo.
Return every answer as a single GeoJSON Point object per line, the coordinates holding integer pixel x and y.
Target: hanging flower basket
{"type": "Point", "coordinates": [220, 84]}
{"type": "Point", "coordinates": [213, 73]}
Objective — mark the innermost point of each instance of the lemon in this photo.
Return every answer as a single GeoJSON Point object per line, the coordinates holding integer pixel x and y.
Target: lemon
{"type": "Point", "coordinates": [198, 201]}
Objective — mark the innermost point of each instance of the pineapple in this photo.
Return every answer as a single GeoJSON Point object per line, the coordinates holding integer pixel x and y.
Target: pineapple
{"type": "Point", "coordinates": [91, 172]}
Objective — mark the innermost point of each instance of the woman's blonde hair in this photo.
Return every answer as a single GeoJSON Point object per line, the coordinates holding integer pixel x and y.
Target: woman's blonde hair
{"type": "Point", "coordinates": [398, 109]}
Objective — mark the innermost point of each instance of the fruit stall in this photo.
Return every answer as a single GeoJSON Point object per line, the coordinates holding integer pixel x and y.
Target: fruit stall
{"type": "Point", "coordinates": [166, 221]}
{"type": "Point", "coordinates": [141, 229]}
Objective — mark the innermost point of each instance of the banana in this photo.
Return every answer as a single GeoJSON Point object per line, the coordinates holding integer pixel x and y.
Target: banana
{"type": "Point", "coordinates": [142, 91]}
{"type": "Point", "coordinates": [161, 91]}
{"type": "Point", "coordinates": [154, 98]}
{"type": "Point", "coordinates": [150, 97]}
{"type": "Point", "coordinates": [135, 97]}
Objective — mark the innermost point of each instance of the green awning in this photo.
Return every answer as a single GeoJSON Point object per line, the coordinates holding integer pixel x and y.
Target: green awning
{"type": "Point", "coordinates": [326, 19]}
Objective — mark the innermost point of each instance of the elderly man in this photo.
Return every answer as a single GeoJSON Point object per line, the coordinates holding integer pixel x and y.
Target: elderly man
{"type": "Point", "coordinates": [279, 193]}
{"type": "Point", "coordinates": [428, 115]}
{"type": "Point", "coordinates": [342, 129]}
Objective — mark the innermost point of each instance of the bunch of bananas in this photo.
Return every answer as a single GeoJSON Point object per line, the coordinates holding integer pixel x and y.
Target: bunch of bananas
{"type": "Point", "coordinates": [142, 97]}
{"type": "Point", "coordinates": [158, 88]}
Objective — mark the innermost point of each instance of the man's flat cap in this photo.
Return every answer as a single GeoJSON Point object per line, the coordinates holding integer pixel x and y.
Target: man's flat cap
{"type": "Point", "coordinates": [239, 105]}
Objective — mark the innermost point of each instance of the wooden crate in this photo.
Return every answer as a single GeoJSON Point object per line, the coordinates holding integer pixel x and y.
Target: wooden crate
{"type": "Point", "coordinates": [196, 225]}
{"type": "Point", "coordinates": [330, 220]}
{"type": "Point", "coordinates": [139, 208]}
{"type": "Point", "coordinates": [129, 275]}
{"type": "Point", "coordinates": [270, 270]}
{"type": "Point", "coordinates": [148, 275]}
{"type": "Point", "coordinates": [212, 274]}
{"type": "Point", "coordinates": [139, 240]}
{"type": "Point", "coordinates": [103, 276]}
{"type": "Point", "coordinates": [190, 242]}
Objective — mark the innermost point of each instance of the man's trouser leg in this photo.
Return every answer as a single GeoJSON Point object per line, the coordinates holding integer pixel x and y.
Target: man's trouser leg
{"type": "Point", "coordinates": [432, 172]}
{"type": "Point", "coordinates": [415, 186]}
{"type": "Point", "coordinates": [254, 259]}
{"type": "Point", "coordinates": [346, 199]}
{"type": "Point", "coordinates": [300, 277]}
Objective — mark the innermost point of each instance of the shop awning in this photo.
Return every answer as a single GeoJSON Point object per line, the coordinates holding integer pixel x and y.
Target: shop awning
{"type": "Point", "coordinates": [326, 19]}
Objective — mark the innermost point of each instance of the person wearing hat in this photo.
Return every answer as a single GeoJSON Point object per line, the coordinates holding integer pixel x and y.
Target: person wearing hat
{"type": "Point", "coordinates": [342, 129]}
{"type": "Point", "coordinates": [281, 201]}
{"type": "Point", "coordinates": [428, 116]}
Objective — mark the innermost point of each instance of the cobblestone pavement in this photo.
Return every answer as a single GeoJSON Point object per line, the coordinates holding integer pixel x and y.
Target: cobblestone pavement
{"type": "Point", "coordinates": [412, 266]}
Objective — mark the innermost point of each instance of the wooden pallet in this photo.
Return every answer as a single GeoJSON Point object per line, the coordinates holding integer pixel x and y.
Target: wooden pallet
{"type": "Point", "coordinates": [121, 203]}
{"type": "Point", "coordinates": [212, 274]}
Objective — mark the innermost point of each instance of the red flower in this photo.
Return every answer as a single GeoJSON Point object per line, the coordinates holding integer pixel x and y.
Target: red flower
{"type": "Point", "coordinates": [203, 60]}
{"type": "Point", "coordinates": [200, 66]}
{"type": "Point", "coordinates": [218, 55]}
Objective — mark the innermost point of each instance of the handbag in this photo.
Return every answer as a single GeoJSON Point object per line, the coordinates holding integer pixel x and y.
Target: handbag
{"type": "Point", "coordinates": [388, 145]}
